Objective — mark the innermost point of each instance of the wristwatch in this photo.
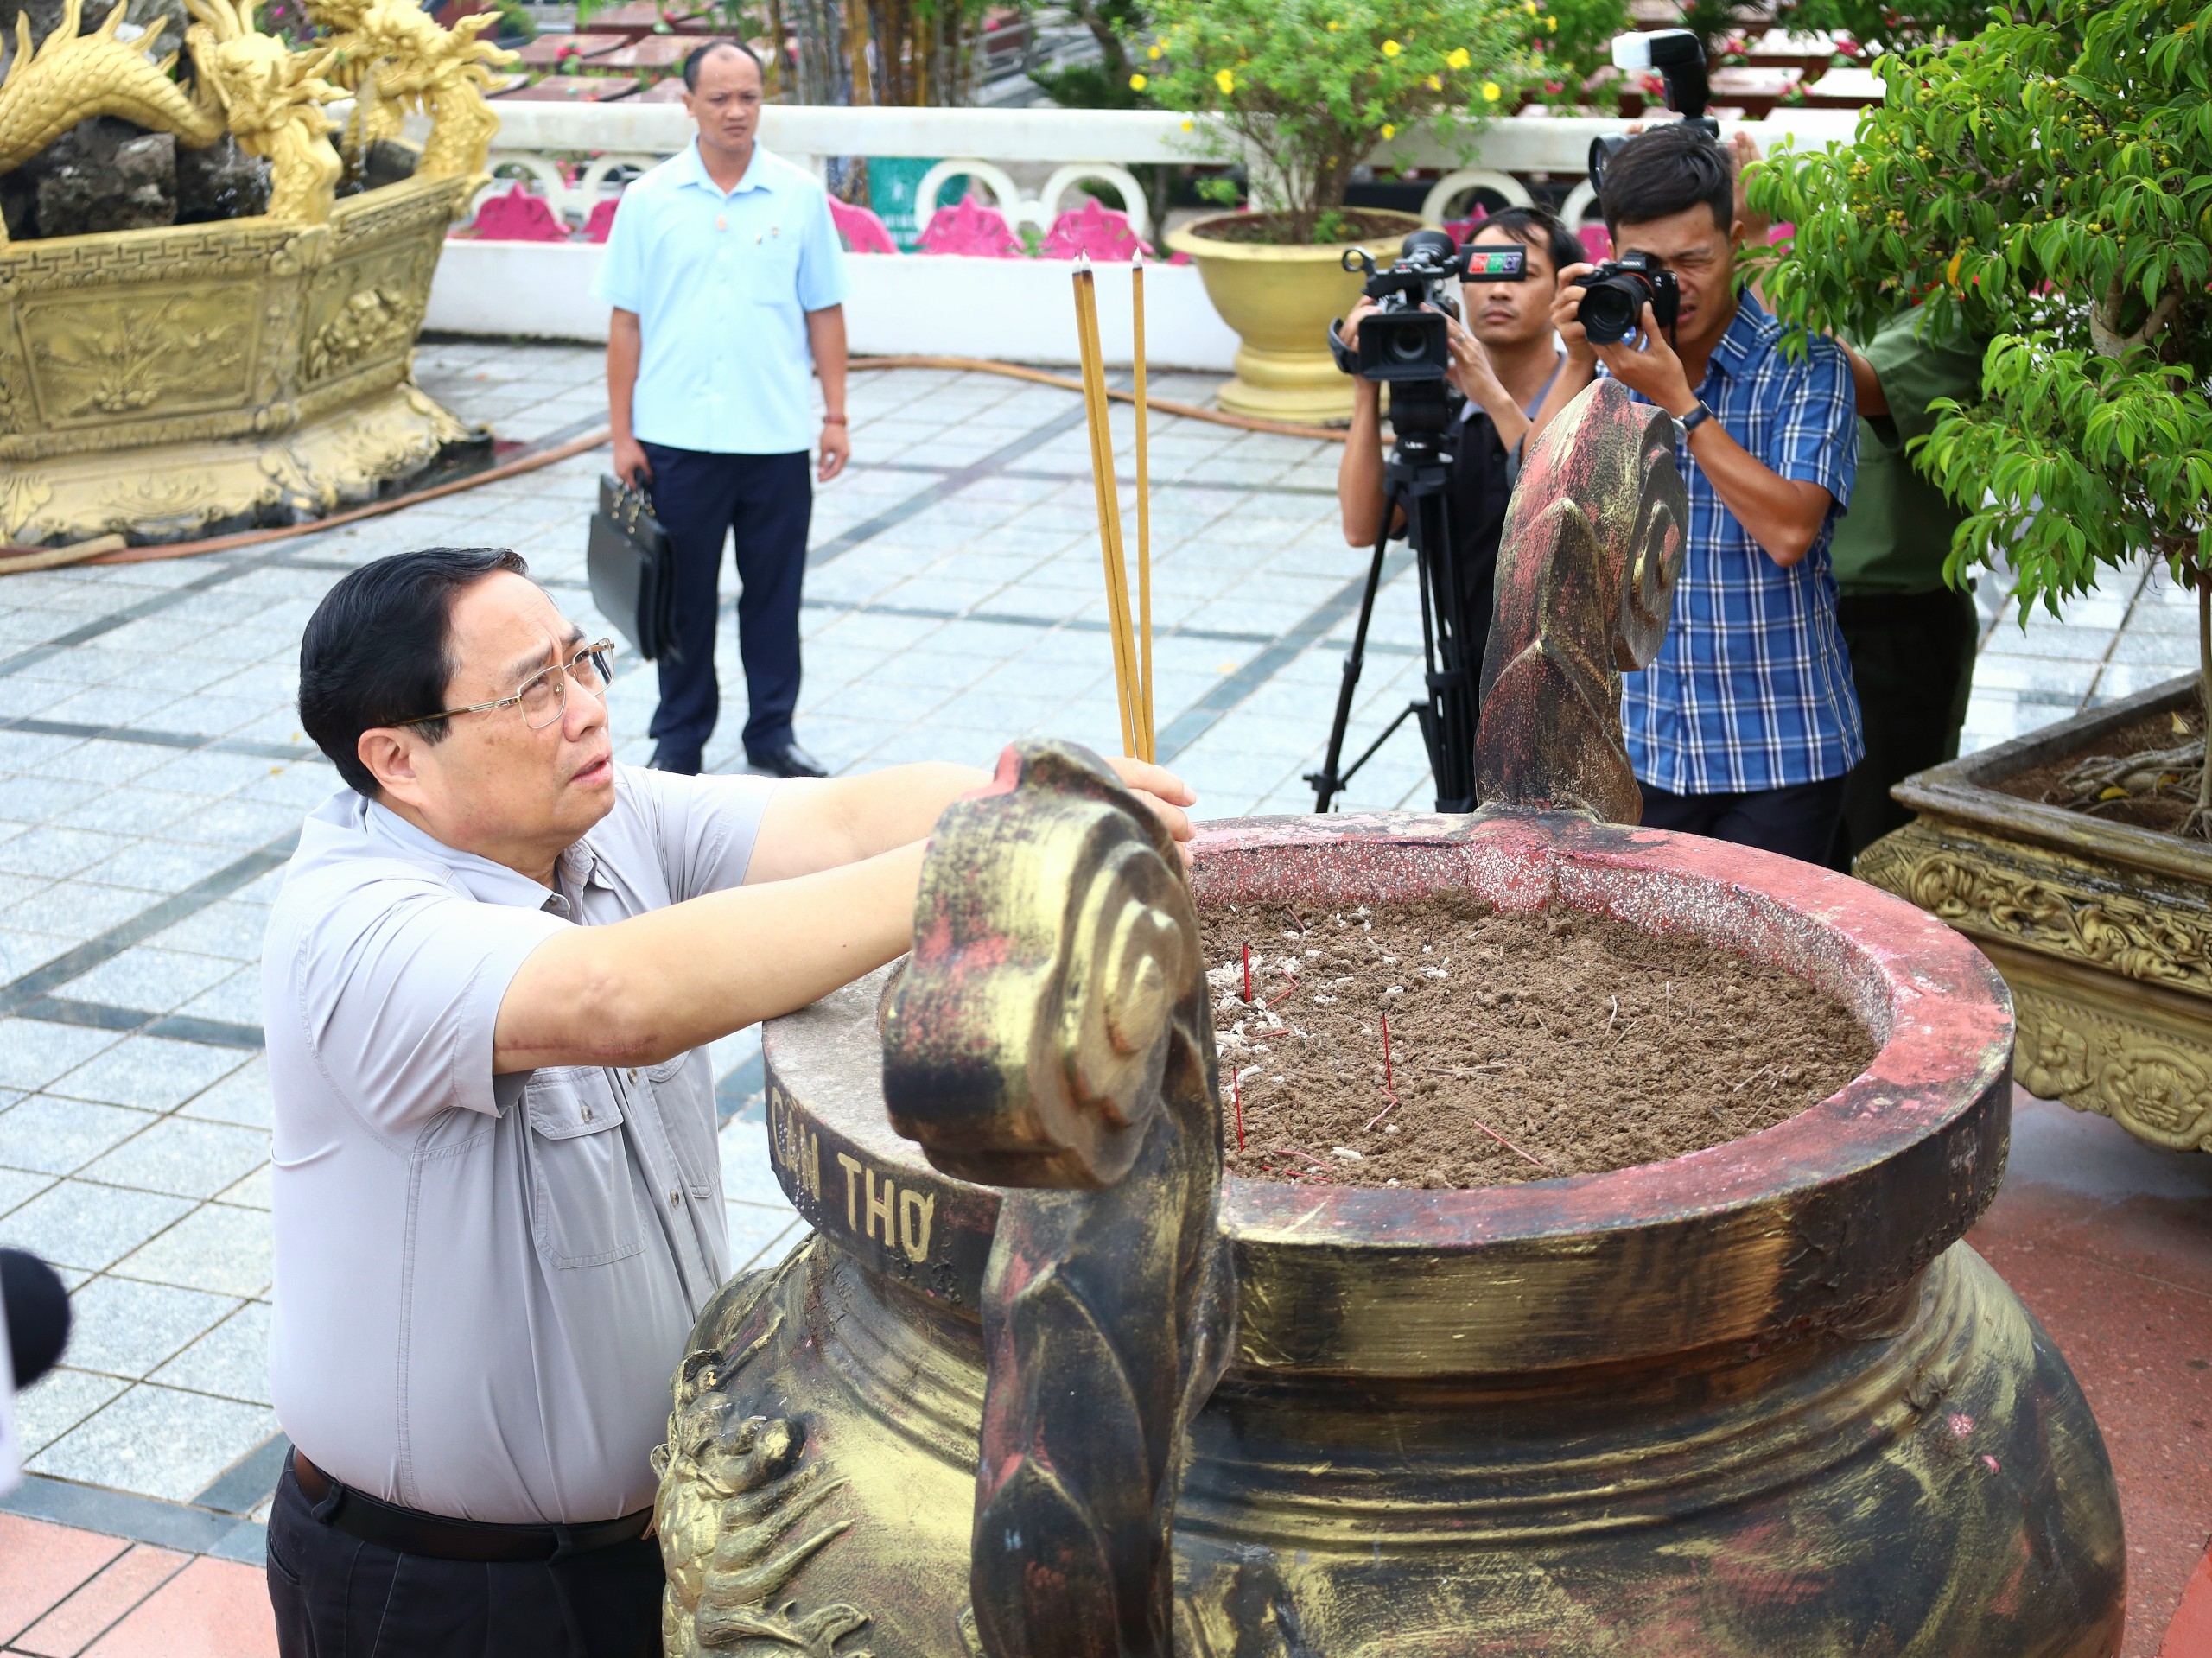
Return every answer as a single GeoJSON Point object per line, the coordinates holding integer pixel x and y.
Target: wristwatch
{"type": "Point", "coordinates": [1696, 418]}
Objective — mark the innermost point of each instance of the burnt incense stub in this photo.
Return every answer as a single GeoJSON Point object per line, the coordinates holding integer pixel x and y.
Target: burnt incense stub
{"type": "Point", "coordinates": [1586, 564]}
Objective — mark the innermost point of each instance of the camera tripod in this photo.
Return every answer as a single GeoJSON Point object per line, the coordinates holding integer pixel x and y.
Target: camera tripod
{"type": "Point", "coordinates": [1416, 477]}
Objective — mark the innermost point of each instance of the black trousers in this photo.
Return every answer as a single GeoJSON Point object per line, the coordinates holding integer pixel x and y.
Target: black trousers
{"type": "Point", "coordinates": [1912, 656]}
{"type": "Point", "coordinates": [337, 1597]}
{"type": "Point", "coordinates": [1798, 821]}
{"type": "Point", "coordinates": [766, 501]}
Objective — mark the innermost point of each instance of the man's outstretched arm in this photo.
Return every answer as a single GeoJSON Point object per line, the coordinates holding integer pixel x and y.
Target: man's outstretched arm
{"type": "Point", "coordinates": [829, 896]}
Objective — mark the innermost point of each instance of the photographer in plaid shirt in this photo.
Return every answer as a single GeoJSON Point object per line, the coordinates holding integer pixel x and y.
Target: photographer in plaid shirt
{"type": "Point", "coordinates": [1747, 722]}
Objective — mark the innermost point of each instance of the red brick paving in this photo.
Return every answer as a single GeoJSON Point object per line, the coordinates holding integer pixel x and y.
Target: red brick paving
{"type": "Point", "coordinates": [2189, 1636]}
{"type": "Point", "coordinates": [213, 1608]}
{"type": "Point", "coordinates": [2109, 1241]}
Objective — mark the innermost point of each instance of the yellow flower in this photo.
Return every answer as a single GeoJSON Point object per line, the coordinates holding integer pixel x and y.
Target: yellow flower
{"type": "Point", "coordinates": [1436, 82]}
{"type": "Point", "coordinates": [1225, 80]}
{"type": "Point", "coordinates": [1152, 52]}
{"type": "Point", "coordinates": [1136, 82]}
{"type": "Point", "coordinates": [1552, 24]}
{"type": "Point", "coordinates": [1491, 91]}
{"type": "Point", "coordinates": [1389, 131]}
{"type": "Point", "coordinates": [1457, 58]}
{"type": "Point", "coordinates": [1187, 125]}
{"type": "Point", "coordinates": [1391, 49]}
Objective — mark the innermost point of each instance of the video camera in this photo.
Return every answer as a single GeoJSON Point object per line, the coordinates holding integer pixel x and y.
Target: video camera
{"type": "Point", "coordinates": [1405, 339]}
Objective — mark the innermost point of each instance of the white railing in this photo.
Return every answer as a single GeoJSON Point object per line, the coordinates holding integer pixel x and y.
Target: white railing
{"type": "Point", "coordinates": [1080, 146]}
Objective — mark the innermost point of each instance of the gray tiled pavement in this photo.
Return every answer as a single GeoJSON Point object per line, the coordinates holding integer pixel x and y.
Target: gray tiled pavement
{"type": "Point", "coordinates": [152, 771]}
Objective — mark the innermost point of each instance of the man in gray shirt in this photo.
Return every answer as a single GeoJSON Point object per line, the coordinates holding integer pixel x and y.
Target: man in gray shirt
{"type": "Point", "coordinates": [489, 982]}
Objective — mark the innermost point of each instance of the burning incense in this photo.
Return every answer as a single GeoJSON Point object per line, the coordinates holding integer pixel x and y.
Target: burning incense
{"type": "Point", "coordinates": [1109, 504]}
{"type": "Point", "coordinates": [1147, 730]}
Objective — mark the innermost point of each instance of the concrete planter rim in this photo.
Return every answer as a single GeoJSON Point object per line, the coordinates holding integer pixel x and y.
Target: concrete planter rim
{"type": "Point", "coordinates": [1184, 239]}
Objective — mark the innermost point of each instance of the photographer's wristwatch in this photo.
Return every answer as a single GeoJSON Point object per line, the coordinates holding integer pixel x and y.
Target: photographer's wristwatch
{"type": "Point", "coordinates": [1697, 416]}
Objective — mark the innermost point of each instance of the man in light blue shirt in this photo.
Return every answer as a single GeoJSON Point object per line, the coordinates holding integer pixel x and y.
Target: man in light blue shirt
{"type": "Point", "coordinates": [727, 281]}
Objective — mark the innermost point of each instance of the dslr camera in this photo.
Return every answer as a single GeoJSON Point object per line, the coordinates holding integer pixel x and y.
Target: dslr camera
{"type": "Point", "coordinates": [1615, 294]}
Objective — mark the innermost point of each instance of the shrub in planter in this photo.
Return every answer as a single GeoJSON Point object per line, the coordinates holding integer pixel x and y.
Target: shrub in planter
{"type": "Point", "coordinates": [1314, 89]}
{"type": "Point", "coordinates": [2047, 183]}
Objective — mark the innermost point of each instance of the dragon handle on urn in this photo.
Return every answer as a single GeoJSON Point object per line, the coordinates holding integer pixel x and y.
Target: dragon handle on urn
{"type": "Point", "coordinates": [1050, 1035]}
{"type": "Point", "coordinates": [1592, 542]}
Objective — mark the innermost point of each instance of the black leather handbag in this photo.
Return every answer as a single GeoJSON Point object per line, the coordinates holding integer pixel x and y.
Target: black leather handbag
{"type": "Point", "coordinates": [632, 564]}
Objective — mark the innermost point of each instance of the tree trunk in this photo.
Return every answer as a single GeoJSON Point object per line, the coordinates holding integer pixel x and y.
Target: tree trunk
{"type": "Point", "coordinates": [777, 37]}
{"type": "Point", "coordinates": [2200, 821]}
{"type": "Point", "coordinates": [856, 50]}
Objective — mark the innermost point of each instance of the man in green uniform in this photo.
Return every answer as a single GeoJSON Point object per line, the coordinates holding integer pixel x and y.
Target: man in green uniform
{"type": "Point", "coordinates": [1911, 638]}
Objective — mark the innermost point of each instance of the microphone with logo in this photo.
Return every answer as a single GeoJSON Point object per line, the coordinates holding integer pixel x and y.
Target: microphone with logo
{"type": "Point", "coordinates": [31, 1336]}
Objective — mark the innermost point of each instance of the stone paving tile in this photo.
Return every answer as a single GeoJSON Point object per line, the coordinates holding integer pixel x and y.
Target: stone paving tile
{"type": "Point", "coordinates": [125, 1327]}
{"type": "Point", "coordinates": [184, 1157]}
{"type": "Point", "coordinates": [150, 978]}
{"type": "Point", "coordinates": [148, 1072]}
{"type": "Point", "coordinates": [943, 634]}
{"type": "Point", "coordinates": [48, 1134]}
{"type": "Point", "coordinates": [231, 1360]}
{"type": "Point", "coordinates": [218, 1247]}
{"type": "Point", "coordinates": [75, 1223]}
{"type": "Point", "coordinates": [160, 1441]}
{"type": "Point", "coordinates": [241, 1098]}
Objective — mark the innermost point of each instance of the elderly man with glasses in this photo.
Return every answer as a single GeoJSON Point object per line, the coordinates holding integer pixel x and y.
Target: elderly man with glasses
{"type": "Point", "coordinates": [489, 983]}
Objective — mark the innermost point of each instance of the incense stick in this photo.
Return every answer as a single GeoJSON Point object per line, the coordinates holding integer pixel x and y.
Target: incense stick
{"type": "Point", "coordinates": [1109, 503]}
{"type": "Point", "coordinates": [1147, 730]}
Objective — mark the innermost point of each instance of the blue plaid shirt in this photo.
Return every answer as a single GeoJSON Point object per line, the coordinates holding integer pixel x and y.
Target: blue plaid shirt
{"type": "Point", "coordinates": [1753, 689]}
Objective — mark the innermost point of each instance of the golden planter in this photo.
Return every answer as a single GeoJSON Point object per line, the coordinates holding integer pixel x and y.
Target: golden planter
{"type": "Point", "coordinates": [1280, 300]}
{"type": "Point", "coordinates": [2103, 930]}
{"type": "Point", "coordinates": [165, 383]}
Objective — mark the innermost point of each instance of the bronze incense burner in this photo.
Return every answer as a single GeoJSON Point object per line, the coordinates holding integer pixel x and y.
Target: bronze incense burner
{"type": "Point", "coordinates": [1759, 1399]}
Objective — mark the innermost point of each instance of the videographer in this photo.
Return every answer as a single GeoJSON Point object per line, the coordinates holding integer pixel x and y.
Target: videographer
{"type": "Point", "coordinates": [1746, 724]}
{"type": "Point", "coordinates": [1461, 396]}
{"type": "Point", "coordinates": [1504, 357]}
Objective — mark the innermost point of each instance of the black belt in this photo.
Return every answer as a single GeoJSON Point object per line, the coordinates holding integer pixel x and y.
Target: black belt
{"type": "Point", "coordinates": [406, 1532]}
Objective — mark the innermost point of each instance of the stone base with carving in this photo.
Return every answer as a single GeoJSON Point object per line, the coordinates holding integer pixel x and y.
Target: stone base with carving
{"type": "Point", "coordinates": [2102, 931]}
{"type": "Point", "coordinates": [162, 383]}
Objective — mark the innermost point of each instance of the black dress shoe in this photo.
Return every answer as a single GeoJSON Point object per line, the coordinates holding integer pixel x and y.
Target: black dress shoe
{"type": "Point", "coordinates": [681, 765]}
{"type": "Point", "coordinates": [789, 761]}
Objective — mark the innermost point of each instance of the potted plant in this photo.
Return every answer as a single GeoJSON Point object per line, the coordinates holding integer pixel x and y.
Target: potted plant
{"type": "Point", "coordinates": [1304, 94]}
{"type": "Point", "coordinates": [2046, 183]}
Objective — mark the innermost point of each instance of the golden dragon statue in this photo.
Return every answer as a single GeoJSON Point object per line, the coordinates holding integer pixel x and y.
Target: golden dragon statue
{"type": "Point", "coordinates": [398, 62]}
{"type": "Point", "coordinates": [258, 90]}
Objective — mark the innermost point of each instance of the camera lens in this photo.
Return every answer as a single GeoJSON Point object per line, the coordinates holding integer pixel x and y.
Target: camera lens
{"type": "Point", "coordinates": [1407, 346]}
{"type": "Point", "coordinates": [1612, 310]}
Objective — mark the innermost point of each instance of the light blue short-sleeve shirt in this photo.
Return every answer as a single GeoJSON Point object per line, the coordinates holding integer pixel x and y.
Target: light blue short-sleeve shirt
{"type": "Point", "coordinates": [721, 283]}
{"type": "Point", "coordinates": [484, 1282]}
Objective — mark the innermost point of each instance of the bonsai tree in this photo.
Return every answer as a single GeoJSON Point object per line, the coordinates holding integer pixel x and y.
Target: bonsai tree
{"type": "Point", "coordinates": [2047, 182]}
{"type": "Point", "coordinates": [1313, 88]}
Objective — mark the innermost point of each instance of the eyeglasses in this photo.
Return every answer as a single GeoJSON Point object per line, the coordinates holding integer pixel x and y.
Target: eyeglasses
{"type": "Point", "coordinates": [545, 694]}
